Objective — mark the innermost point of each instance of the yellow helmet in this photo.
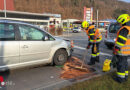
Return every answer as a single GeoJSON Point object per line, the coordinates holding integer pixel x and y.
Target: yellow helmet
{"type": "Point", "coordinates": [85, 24]}
{"type": "Point", "coordinates": [124, 18]}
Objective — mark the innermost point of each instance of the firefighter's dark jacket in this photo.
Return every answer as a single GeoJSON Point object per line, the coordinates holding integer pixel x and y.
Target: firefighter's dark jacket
{"type": "Point", "coordinates": [94, 36]}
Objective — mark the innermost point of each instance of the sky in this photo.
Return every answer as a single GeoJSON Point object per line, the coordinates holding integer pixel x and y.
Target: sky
{"type": "Point", "coordinates": [128, 1]}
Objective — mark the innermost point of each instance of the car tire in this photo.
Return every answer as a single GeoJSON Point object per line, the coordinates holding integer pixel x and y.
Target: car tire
{"type": "Point", "coordinates": [73, 31]}
{"type": "Point", "coordinates": [60, 57]}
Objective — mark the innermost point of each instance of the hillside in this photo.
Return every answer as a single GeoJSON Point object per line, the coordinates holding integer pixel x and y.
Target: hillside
{"type": "Point", "coordinates": [73, 8]}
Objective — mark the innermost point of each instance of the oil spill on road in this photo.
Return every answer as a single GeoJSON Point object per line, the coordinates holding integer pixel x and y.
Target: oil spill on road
{"type": "Point", "coordinates": [72, 69]}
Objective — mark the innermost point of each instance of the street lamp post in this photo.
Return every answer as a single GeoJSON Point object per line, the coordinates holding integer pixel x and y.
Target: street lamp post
{"type": "Point", "coordinates": [97, 18]}
{"type": "Point", "coordinates": [5, 8]}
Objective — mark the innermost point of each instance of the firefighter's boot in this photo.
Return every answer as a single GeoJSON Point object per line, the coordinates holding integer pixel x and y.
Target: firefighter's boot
{"type": "Point", "coordinates": [119, 80]}
{"type": "Point", "coordinates": [126, 78]}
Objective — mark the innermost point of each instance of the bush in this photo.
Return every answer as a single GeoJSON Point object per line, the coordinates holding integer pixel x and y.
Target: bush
{"type": "Point", "coordinates": [59, 31]}
{"type": "Point", "coordinates": [54, 31]}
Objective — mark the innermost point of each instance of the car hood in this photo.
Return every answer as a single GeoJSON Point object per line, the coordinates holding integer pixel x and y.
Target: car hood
{"type": "Point", "coordinates": [61, 38]}
{"type": "Point", "coordinates": [65, 40]}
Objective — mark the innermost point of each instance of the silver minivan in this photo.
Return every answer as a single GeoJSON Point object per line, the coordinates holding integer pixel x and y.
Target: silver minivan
{"type": "Point", "coordinates": [23, 44]}
{"type": "Point", "coordinates": [111, 34]}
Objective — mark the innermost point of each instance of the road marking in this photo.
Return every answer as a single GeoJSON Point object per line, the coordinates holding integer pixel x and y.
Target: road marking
{"type": "Point", "coordinates": [80, 39]}
{"type": "Point", "coordinates": [105, 54]}
{"type": "Point", "coordinates": [53, 84]}
{"type": "Point", "coordinates": [78, 47]}
{"type": "Point", "coordinates": [75, 39]}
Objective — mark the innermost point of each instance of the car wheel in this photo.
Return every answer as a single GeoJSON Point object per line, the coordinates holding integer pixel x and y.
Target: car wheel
{"type": "Point", "coordinates": [73, 31]}
{"type": "Point", "coordinates": [60, 57]}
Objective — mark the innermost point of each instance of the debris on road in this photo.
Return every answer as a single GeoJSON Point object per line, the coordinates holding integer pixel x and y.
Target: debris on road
{"type": "Point", "coordinates": [72, 69]}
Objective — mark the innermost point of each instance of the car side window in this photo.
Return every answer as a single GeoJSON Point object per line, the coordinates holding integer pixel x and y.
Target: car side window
{"type": "Point", "coordinates": [112, 30]}
{"type": "Point", "coordinates": [117, 27]}
{"type": "Point", "coordinates": [7, 32]}
{"type": "Point", "coordinates": [30, 33]}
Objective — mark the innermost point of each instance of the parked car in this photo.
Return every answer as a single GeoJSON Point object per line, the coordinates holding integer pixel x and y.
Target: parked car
{"type": "Point", "coordinates": [23, 44]}
{"type": "Point", "coordinates": [111, 34]}
{"type": "Point", "coordinates": [76, 29]}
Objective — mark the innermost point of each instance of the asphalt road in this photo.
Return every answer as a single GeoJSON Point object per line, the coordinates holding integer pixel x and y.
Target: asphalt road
{"type": "Point", "coordinates": [47, 77]}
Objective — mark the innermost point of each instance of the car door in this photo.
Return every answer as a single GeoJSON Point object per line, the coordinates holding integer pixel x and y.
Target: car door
{"type": "Point", "coordinates": [32, 45]}
{"type": "Point", "coordinates": [9, 46]}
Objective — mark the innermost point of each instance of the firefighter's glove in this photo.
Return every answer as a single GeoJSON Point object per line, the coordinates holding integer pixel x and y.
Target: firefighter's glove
{"type": "Point", "coordinates": [88, 47]}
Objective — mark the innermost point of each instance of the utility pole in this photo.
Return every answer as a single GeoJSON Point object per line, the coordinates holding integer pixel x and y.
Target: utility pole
{"type": "Point", "coordinates": [68, 18]}
{"type": "Point", "coordinates": [5, 8]}
{"type": "Point", "coordinates": [97, 18]}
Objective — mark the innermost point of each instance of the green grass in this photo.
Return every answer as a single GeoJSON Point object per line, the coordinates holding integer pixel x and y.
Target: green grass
{"type": "Point", "coordinates": [100, 83]}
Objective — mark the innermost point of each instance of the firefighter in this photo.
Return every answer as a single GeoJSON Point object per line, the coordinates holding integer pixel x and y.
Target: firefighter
{"type": "Point", "coordinates": [94, 38]}
{"type": "Point", "coordinates": [122, 48]}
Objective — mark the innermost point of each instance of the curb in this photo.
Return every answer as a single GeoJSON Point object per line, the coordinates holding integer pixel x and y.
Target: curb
{"type": "Point", "coordinates": [64, 83]}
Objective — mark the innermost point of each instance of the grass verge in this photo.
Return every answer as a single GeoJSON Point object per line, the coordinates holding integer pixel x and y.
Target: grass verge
{"type": "Point", "coordinates": [104, 82]}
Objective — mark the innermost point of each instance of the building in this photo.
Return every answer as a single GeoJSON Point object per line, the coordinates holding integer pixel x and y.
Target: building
{"type": "Point", "coordinates": [55, 19]}
{"type": "Point", "coordinates": [67, 23]}
{"type": "Point", "coordinates": [34, 18]}
{"type": "Point", "coordinates": [9, 5]}
{"type": "Point", "coordinates": [40, 19]}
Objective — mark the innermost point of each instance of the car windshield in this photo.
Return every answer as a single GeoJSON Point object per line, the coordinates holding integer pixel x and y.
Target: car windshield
{"type": "Point", "coordinates": [114, 28]}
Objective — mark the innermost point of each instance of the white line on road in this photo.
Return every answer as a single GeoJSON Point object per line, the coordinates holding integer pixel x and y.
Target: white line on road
{"type": "Point", "coordinates": [50, 85]}
{"type": "Point", "coordinates": [77, 39]}
{"type": "Point", "coordinates": [80, 39]}
{"type": "Point", "coordinates": [78, 47]}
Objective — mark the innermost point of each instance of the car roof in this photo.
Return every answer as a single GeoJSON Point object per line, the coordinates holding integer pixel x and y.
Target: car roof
{"type": "Point", "coordinates": [20, 22]}
{"type": "Point", "coordinates": [13, 21]}
{"type": "Point", "coordinates": [114, 23]}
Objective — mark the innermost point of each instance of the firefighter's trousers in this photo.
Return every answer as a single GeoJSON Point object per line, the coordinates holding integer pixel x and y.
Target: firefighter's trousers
{"type": "Point", "coordinates": [122, 67]}
{"type": "Point", "coordinates": [95, 53]}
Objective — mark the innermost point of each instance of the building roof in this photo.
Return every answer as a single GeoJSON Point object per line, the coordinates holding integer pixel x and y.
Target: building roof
{"type": "Point", "coordinates": [26, 13]}
{"type": "Point", "coordinates": [109, 20]}
{"type": "Point", "coordinates": [70, 20]}
{"type": "Point", "coordinates": [13, 21]}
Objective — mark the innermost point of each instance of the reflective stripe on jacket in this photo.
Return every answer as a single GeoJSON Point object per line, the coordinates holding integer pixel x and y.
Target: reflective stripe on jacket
{"type": "Point", "coordinates": [93, 35]}
{"type": "Point", "coordinates": [124, 47]}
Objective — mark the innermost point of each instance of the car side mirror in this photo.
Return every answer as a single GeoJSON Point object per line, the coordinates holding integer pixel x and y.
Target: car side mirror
{"type": "Point", "coordinates": [45, 38]}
